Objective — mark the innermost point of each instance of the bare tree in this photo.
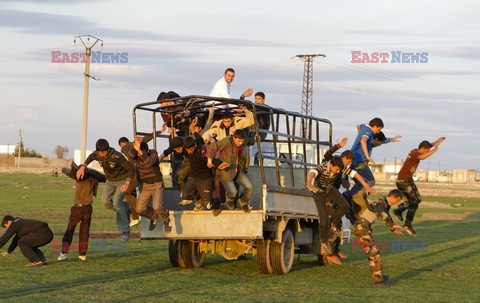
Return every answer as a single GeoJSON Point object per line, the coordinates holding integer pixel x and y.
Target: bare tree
{"type": "Point", "coordinates": [61, 151]}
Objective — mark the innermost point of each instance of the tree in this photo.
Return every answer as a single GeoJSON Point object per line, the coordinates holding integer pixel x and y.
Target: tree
{"type": "Point", "coordinates": [26, 152]}
{"type": "Point", "coordinates": [60, 151]}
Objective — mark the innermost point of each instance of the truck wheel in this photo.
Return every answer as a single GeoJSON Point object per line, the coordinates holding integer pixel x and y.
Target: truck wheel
{"type": "Point", "coordinates": [172, 253]}
{"type": "Point", "coordinates": [282, 254]}
{"type": "Point", "coordinates": [191, 254]}
{"type": "Point", "coordinates": [263, 257]}
{"type": "Point", "coordinates": [179, 256]}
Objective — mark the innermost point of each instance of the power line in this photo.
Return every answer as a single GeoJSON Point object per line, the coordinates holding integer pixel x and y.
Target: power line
{"type": "Point", "coordinates": [307, 92]}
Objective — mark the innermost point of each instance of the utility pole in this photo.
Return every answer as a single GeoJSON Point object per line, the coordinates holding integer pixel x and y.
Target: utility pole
{"type": "Point", "coordinates": [307, 92]}
{"type": "Point", "coordinates": [88, 47]}
{"type": "Point", "coordinates": [428, 168]}
{"type": "Point", "coordinates": [20, 143]}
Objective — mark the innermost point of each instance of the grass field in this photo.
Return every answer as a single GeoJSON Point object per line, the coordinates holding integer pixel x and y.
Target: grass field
{"type": "Point", "coordinates": [449, 271]}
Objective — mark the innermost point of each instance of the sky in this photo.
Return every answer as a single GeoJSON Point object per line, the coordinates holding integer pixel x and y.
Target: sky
{"type": "Point", "coordinates": [185, 46]}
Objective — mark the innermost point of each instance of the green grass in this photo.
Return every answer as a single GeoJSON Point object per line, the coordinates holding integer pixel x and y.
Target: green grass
{"type": "Point", "coordinates": [448, 272]}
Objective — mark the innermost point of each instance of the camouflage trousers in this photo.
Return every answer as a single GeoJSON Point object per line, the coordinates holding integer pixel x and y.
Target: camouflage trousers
{"type": "Point", "coordinates": [334, 239]}
{"type": "Point", "coordinates": [409, 189]}
{"type": "Point", "coordinates": [363, 232]}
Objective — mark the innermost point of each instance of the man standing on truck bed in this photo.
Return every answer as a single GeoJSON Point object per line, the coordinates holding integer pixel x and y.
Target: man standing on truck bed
{"type": "Point", "coordinates": [221, 89]}
{"type": "Point", "coordinates": [119, 173]}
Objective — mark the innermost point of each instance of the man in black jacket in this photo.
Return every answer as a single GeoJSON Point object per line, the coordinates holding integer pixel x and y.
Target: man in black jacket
{"type": "Point", "coordinates": [119, 173]}
{"type": "Point", "coordinates": [29, 235]}
{"type": "Point", "coordinates": [200, 180]}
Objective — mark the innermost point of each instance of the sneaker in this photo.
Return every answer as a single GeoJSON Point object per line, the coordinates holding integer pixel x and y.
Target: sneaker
{"type": "Point", "coordinates": [125, 236]}
{"type": "Point", "coordinates": [134, 223]}
{"type": "Point", "coordinates": [383, 283]}
{"type": "Point", "coordinates": [398, 213]}
{"type": "Point", "coordinates": [333, 259]}
{"type": "Point", "coordinates": [231, 205]}
{"type": "Point", "coordinates": [167, 228]}
{"type": "Point", "coordinates": [62, 257]}
{"type": "Point", "coordinates": [341, 255]}
{"type": "Point", "coordinates": [409, 229]}
{"type": "Point", "coordinates": [83, 258]}
{"type": "Point", "coordinates": [209, 206]}
{"type": "Point", "coordinates": [153, 224]}
{"type": "Point", "coordinates": [35, 264]}
{"type": "Point", "coordinates": [247, 207]}
{"type": "Point", "coordinates": [216, 212]}
{"type": "Point", "coordinates": [43, 259]}
{"type": "Point", "coordinates": [185, 202]}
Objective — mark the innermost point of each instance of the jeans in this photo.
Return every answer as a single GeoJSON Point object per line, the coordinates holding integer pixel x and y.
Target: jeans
{"type": "Point", "coordinates": [363, 170]}
{"type": "Point", "coordinates": [112, 199]}
{"type": "Point", "coordinates": [231, 191]}
{"type": "Point", "coordinates": [154, 192]}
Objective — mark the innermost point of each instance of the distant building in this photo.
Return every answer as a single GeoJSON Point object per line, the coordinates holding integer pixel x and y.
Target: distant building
{"type": "Point", "coordinates": [7, 149]}
{"type": "Point", "coordinates": [76, 158]}
{"type": "Point", "coordinates": [387, 167]}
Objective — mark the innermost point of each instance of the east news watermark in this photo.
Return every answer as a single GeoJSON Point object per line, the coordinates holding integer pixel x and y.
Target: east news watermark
{"type": "Point", "coordinates": [391, 57]}
{"type": "Point", "coordinates": [95, 57]}
{"type": "Point", "coordinates": [396, 246]}
{"type": "Point", "coordinates": [95, 246]}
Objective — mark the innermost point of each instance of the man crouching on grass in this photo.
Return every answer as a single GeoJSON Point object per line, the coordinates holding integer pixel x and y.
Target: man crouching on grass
{"type": "Point", "coordinates": [367, 213]}
{"type": "Point", "coordinates": [29, 235]}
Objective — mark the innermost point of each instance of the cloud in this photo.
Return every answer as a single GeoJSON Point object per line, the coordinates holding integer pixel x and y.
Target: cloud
{"type": "Point", "coordinates": [40, 23]}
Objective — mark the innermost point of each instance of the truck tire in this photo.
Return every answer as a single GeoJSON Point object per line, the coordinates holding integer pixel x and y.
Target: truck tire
{"type": "Point", "coordinates": [173, 253]}
{"type": "Point", "coordinates": [263, 257]}
{"type": "Point", "coordinates": [191, 254]}
{"type": "Point", "coordinates": [282, 254]}
{"type": "Point", "coordinates": [177, 253]}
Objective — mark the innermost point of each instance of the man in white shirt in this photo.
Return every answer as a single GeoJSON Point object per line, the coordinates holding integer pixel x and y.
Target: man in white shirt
{"type": "Point", "coordinates": [221, 89]}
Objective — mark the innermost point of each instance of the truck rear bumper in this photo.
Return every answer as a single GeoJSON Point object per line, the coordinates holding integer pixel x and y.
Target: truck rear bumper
{"type": "Point", "coordinates": [202, 225]}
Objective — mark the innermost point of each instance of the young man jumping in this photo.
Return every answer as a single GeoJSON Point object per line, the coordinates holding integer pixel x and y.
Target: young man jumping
{"type": "Point", "coordinates": [406, 185]}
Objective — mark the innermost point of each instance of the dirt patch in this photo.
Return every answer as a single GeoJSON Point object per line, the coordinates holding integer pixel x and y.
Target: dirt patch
{"type": "Point", "coordinates": [42, 215]}
{"type": "Point", "coordinates": [449, 217]}
{"type": "Point", "coordinates": [102, 234]}
{"type": "Point", "coordinates": [439, 189]}
{"type": "Point", "coordinates": [434, 204]}
{"type": "Point", "coordinates": [65, 216]}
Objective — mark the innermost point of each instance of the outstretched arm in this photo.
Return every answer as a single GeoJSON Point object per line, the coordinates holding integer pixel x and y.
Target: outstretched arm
{"type": "Point", "coordinates": [368, 189]}
{"type": "Point", "coordinates": [329, 153]}
{"type": "Point", "coordinates": [363, 144]}
{"type": "Point", "coordinates": [435, 144]}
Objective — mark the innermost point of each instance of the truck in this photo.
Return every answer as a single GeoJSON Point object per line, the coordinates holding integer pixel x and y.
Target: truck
{"type": "Point", "coordinates": [284, 220]}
